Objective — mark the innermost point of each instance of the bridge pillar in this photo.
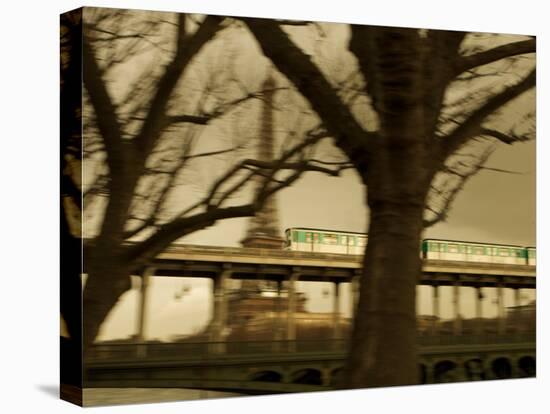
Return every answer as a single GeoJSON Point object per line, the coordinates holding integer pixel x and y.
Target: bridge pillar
{"type": "Point", "coordinates": [291, 309]}
{"type": "Point", "coordinates": [336, 311]}
{"type": "Point", "coordinates": [435, 309]}
{"type": "Point", "coordinates": [457, 324]}
{"type": "Point", "coordinates": [219, 321]}
{"type": "Point", "coordinates": [500, 310]}
{"type": "Point", "coordinates": [479, 311]}
{"type": "Point", "coordinates": [278, 334]}
{"type": "Point", "coordinates": [354, 285]}
{"type": "Point", "coordinates": [142, 308]}
{"type": "Point", "coordinates": [517, 303]}
{"type": "Point", "coordinates": [514, 365]}
{"type": "Point", "coordinates": [325, 377]}
{"type": "Point", "coordinates": [430, 372]}
{"type": "Point", "coordinates": [461, 374]}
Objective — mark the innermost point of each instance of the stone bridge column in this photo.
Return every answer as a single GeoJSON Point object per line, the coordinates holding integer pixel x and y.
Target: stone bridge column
{"type": "Point", "coordinates": [514, 366]}
{"type": "Point", "coordinates": [325, 377]}
{"type": "Point", "coordinates": [219, 317]}
{"type": "Point", "coordinates": [278, 333]}
{"type": "Point", "coordinates": [457, 324]}
{"type": "Point", "coordinates": [354, 285]}
{"type": "Point", "coordinates": [142, 308]}
{"type": "Point", "coordinates": [336, 334]}
{"type": "Point", "coordinates": [291, 309]}
{"type": "Point", "coordinates": [461, 374]}
{"type": "Point", "coordinates": [430, 372]}
{"type": "Point", "coordinates": [479, 311]}
{"type": "Point", "coordinates": [435, 309]}
{"type": "Point", "coordinates": [517, 302]}
{"type": "Point", "coordinates": [500, 310]}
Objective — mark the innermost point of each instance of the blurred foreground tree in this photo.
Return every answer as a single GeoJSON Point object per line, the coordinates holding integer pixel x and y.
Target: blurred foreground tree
{"type": "Point", "coordinates": [147, 101]}
{"type": "Point", "coordinates": [413, 119]}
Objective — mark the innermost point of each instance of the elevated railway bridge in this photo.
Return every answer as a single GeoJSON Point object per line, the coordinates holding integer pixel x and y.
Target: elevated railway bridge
{"type": "Point", "coordinates": [222, 263]}
{"type": "Point", "coordinates": [289, 365]}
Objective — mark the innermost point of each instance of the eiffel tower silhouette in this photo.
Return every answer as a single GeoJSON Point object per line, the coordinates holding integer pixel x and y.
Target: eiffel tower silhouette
{"type": "Point", "coordinates": [263, 229]}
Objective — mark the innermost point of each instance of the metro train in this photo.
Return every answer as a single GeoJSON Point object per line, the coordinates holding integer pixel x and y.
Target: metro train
{"type": "Point", "coordinates": [330, 241]}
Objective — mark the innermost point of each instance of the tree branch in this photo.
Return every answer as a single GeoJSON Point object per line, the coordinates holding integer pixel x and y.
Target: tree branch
{"type": "Point", "coordinates": [441, 214]}
{"type": "Point", "coordinates": [223, 109]}
{"type": "Point", "coordinates": [301, 166]}
{"type": "Point", "coordinates": [139, 254]}
{"type": "Point", "coordinates": [492, 55]}
{"type": "Point", "coordinates": [105, 110]}
{"type": "Point", "coordinates": [186, 49]}
{"type": "Point", "coordinates": [509, 138]}
{"type": "Point", "coordinates": [471, 126]}
{"type": "Point", "coordinates": [298, 67]}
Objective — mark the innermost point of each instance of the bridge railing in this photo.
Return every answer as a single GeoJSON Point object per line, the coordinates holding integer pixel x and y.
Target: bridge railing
{"type": "Point", "coordinates": [259, 252]}
{"type": "Point", "coordinates": [195, 350]}
{"type": "Point", "coordinates": [203, 350]}
{"type": "Point", "coordinates": [487, 339]}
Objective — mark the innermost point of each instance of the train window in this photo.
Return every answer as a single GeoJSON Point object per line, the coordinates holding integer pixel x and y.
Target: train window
{"type": "Point", "coordinates": [468, 249]}
{"type": "Point", "coordinates": [344, 240]}
{"type": "Point", "coordinates": [503, 252]}
{"type": "Point", "coordinates": [434, 247]}
{"type": "Point", "coordinates": [361, 241]}
{"type": "Point", "coordinates": [330, 238]}
{"type": "Point", "coordinates": [308, 237]}
{"type": "Point", "coordinates": [453, 248]}
{"type": "Point", "coordinates": [315, 237]}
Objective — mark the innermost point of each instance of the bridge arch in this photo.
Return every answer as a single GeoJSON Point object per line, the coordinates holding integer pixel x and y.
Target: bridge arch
{"type": "Point", "coordinates": [527, 366]}
{"type": "Point", "coordinates": [445, 371]}
{"type": "Point", "coordinates": [266, 376]}
{"type": "Point", "coordinates": [501, 368]}
{"type": "Point", "coordinates": [307, 376]}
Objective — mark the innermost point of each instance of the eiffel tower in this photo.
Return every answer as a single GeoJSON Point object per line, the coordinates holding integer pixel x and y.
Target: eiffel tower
{"type": "Point", "coordinates": [263, 229]}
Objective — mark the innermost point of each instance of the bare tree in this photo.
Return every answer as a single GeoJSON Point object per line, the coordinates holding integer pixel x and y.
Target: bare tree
{"type": "Point", "coordinates": [145, 110]}
{"type": "Point", "coordinates": [431, 99]}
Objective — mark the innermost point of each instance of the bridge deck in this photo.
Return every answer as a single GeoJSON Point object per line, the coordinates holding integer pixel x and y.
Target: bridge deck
{"type": "Point", "coordinates": [270, 264]}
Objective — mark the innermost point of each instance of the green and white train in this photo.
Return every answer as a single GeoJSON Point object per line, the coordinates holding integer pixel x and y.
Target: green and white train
{"type": "Point", "coordinates": [330, 241]}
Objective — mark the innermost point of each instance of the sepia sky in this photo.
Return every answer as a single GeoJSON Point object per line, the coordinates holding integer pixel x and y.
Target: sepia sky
{"type": "Point", "coordinates": [494, 207]}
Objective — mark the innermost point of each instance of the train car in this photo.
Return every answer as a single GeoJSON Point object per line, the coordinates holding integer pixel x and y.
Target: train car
{"type": "Point", "coordinates": [473, 252]}
{"type": "Point", "coordinates": [330, 241]}
{"type": "Point", "coordinates": [325, 241]}
{"type": "Point", "coordinates": [531, 253]}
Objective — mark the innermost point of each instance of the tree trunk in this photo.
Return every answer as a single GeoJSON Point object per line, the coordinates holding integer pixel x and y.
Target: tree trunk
{"type": "Point", "coordinates": [383, 350]}
{"type": "Point", "coordinates": [398, 176]}
{"type": "Point", "coordinates": [107, 280]}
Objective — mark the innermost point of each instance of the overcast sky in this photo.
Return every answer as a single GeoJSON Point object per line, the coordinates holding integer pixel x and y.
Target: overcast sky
{"type": "Point", "coordinates": [493, 207]}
